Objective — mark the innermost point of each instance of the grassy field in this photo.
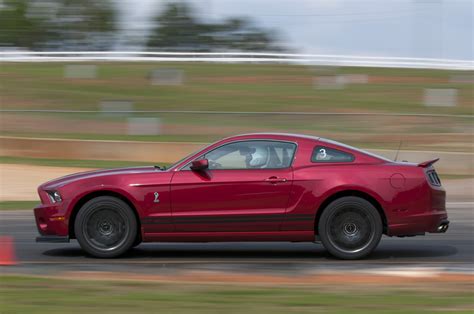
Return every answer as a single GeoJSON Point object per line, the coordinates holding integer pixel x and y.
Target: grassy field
{"type": "Point", "coordinates": [242, 88]}
{"type": "Point", "coordinates": [18, 205]}
{"type": "Point", "coordinates": [233, 87]}
{"type": "Point", "coordinates": [38, 295]}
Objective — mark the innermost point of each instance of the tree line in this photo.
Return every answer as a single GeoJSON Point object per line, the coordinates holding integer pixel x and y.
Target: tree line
{"type": "Point", "coordinates": [75, 25]}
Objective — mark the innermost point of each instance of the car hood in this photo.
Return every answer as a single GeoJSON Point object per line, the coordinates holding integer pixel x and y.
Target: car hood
{"type": "Point", "coordinates": [56, 183]}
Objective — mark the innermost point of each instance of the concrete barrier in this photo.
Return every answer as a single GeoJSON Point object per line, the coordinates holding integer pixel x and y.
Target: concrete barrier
{"type": "Point", "coordinates": [450, 162]}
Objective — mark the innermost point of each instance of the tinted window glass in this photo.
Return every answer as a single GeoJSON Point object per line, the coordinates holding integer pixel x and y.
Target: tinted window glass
{"type": "Point", "coordinates": [252, 155]}
{"type": "Point", "coordinates": [325, 154]}
{"type": "Point", "coordinates": [355, 149]}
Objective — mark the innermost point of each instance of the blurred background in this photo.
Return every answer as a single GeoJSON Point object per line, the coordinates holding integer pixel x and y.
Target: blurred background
{"type": "Point", "coordinates": [165, 77]}
{"type": "Point", "coordinates": [97, 84]}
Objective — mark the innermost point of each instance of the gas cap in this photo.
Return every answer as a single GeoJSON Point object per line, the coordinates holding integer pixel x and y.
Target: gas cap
{"type": "Point", "coordinates": [397, 181]}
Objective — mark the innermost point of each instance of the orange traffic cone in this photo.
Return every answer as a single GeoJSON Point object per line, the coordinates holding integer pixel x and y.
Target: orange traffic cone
{"type": "Point", "coordinates": [7, 251]}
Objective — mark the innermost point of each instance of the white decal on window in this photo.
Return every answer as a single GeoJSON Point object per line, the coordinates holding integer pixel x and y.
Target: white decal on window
{"type": "Point", "coordinates": [322, 153]}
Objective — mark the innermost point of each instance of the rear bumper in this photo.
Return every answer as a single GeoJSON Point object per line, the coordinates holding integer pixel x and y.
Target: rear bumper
{"type": "Point", "coordinates": [423, 211]}
{"type": "Point", "coordinates": [432, 222]}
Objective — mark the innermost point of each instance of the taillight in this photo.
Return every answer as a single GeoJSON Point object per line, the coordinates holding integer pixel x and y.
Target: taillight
{"type": "Point", "coordinates": [433, 177]}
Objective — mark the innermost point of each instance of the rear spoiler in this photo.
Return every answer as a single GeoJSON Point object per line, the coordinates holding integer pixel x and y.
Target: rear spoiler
{"type": "Point", "coordinates": [428, 163]}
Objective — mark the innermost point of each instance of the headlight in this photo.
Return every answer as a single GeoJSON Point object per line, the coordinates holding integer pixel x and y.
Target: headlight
{"type": "Point", "coordinates": [54, 196]}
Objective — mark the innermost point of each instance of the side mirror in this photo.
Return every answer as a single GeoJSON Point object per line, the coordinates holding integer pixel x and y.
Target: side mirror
{"type": "Point", "coordinates": [200, 164]}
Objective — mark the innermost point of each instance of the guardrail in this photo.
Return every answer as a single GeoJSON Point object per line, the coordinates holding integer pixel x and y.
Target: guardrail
{"type": "Point", "coordinates": [235, 57]}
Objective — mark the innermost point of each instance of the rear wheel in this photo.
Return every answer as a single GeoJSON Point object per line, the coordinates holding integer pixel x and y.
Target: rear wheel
{"type": "Point", "coordinates": [105, 227]}
{"type": "Point", "coordinates": [138, 241]}
{"type": "Point", "coordinates": [350, 228]}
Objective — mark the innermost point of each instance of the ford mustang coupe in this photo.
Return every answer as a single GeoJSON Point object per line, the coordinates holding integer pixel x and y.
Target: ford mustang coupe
{"type": "Point", "coordinates": [253, 187]}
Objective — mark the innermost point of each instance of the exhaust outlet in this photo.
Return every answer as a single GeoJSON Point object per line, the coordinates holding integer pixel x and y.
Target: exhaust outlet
{"type": "Point", "coordinates": [443, 227]}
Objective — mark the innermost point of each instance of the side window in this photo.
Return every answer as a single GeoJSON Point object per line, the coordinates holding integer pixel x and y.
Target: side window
{"type": "Point", "coordinates": [252, 155]}
{"type": "Point", "coordinates": [226, 157]}
{"type": "Point", "coordinates": [326, 154]}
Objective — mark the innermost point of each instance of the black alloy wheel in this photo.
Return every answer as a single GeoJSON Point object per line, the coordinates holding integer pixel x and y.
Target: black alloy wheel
{"type": "Point", "coordinates": [350, 227]}
{"type": "Point", "coordinates": [106, 227]}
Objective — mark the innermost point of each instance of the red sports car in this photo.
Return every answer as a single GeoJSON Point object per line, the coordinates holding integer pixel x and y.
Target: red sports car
{"type": "Point", "coordinates": [253, 187]}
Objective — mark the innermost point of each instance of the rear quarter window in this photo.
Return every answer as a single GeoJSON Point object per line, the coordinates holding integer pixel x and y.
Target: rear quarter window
{"type": "Point", "coordinates": [326, 154]}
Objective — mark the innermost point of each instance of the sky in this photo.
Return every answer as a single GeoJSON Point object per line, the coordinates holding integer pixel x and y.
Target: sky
{"type": "Point", "coordinates": [386, 28]}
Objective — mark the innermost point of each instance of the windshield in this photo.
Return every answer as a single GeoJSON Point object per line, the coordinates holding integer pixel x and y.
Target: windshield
{"type": "Point", "coordinates": [183, 159]}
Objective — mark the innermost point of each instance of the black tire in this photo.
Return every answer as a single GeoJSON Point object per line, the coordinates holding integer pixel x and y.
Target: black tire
{"type": "Point", "coordinates": [138, 241]}
{"type": "Point", "coordinates": [350, 228]}
{"type": "Point", "coordinates": [105, 227]}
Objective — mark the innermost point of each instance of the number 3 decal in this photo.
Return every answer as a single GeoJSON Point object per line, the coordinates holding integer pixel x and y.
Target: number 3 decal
{"type": "Point", "coordinates": [322, 153]}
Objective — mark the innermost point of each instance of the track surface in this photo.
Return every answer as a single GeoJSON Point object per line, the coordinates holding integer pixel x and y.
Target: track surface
{"type": "Point", "coordinates": [453, 251]}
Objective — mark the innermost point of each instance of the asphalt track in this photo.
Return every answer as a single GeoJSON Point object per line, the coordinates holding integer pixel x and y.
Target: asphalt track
{"type": "Point", "coordinates": [452, 251]}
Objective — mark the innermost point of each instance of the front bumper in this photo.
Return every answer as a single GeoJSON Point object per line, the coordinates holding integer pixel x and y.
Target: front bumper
{"type": "Point", "coordinates": [51, 220]}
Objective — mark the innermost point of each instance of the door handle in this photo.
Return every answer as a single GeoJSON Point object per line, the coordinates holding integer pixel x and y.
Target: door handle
{"type": "Point", "coordinates": [275, 180]}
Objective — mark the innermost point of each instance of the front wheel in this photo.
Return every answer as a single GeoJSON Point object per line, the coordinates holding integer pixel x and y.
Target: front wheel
{"type": "Point", "coordinates": [105, 227]}
{"type": "Point", "coordinates": [350, 228]}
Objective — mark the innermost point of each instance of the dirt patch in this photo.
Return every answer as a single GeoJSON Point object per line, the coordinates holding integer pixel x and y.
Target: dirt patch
{"type": "Point", "coordinates": [19, 182]}
{"type": "Point", "coordinates": [345, 278]}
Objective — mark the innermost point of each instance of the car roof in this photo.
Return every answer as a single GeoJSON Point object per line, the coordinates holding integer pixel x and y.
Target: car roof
{"type": "Point", "coordinates": [296, 137]}
{"type": "Point", "coordinates": [290, 137]}
{"type": "Point", "coordinates": [273, 135]}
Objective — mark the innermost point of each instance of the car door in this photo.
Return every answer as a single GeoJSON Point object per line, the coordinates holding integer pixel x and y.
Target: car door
{"type": "Point", "coordinates": [246, 188]}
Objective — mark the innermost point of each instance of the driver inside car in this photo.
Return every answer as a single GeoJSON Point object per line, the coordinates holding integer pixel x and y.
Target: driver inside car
{"type": "Point", "coordinates": [255, 157]}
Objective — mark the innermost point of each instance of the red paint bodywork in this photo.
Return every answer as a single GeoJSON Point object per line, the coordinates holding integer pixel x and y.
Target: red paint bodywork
{"type": "Point", "coordinates": [241, 205]}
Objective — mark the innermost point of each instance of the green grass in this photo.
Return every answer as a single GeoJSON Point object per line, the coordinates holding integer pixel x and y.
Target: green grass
{"type": "Point", "coordinates": [37, 295]}
{"type": "Point", "coordinates": [238, 87]}
{"type": "Point", "coordinates": [227, 87]}
{"type": "Point", "coordinates": [18, 205]}
{"type": "Point", "coordinates": [75, 163]}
